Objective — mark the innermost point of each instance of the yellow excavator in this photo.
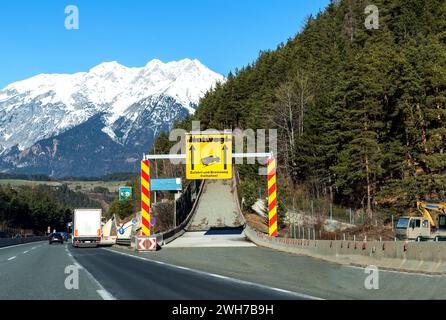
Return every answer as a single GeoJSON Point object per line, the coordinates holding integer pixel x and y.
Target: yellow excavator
{"type": "Point", "coordinates": [431, 225]}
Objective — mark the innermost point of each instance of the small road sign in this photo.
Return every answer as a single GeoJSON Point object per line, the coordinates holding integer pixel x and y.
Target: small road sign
{"type": "Point", "coordinates": [147, 244]}
{"type": "Point", "coordinates": [134, 221]}
{"type": "Point", "coordinates": [152, 244]}
{"type": "Point", "coordinates": [121, 230]}
{"type": "Point", "coordinates": [209, 156]}
{"type": "Point", "coordinates": [125, 193]}
{"type": "Point", "coordinates": [173, 184]}
{"type": "Point", "coordinates": [141, 244]}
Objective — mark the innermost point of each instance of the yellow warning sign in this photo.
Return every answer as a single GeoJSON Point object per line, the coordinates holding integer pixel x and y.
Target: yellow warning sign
{"type": "Point", "coordinates": [209, 156]}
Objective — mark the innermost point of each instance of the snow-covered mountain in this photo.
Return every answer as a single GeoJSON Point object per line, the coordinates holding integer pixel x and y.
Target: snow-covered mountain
{"type": "Point", "coordinates": [128, 106]}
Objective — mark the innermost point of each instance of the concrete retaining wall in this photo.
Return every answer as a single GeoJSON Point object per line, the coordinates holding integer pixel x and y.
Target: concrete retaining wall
{"type": "Point", "coordinates": [423, 257]}
{"type": "Point", "coordinates": [12, 242]}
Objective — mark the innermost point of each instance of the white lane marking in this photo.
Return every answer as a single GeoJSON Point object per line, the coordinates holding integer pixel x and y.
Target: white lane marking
{"type": "Point", "coordinates": [12, 258]}
{"type": "Point", "coordinates": [18, 245]}
{"type": "Point", "coordinates": [78, 265]}
{"type": "Point", "coordinates": [183, 268]}
{"type": "Point", "coordinates": [400, 272]}
{"type": "Point", "coordinates": [104, 294]}
{"type": "Point", "coordinates": [219, 276]}
{"type": "Point", "coordinates": [247, 283]}
{"type": "Point", "coordinates": [25, 252]}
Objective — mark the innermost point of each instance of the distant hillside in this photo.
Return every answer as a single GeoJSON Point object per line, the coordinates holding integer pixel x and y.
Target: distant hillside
{"type": "Point", "coordinates": [360, 113]}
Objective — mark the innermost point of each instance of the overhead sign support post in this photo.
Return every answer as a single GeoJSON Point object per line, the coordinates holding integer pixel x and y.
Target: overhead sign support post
{"type": "Point", "coordinates": [145, 198]}
{"type": "Point", "coordinates": [272, 198]}
{"type": "Point", "coordinates": [209, 156]}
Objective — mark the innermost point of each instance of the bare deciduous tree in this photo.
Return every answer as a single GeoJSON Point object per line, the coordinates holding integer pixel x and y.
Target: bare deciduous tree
{"type": "Point", "coordinates": [292, 101]}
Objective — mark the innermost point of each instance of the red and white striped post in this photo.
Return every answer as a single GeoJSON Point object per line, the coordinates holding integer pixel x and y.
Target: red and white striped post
{"type": "Point", "coordinates": [145, 198]}
{"type": "Point", "coordinates": [272, 198]}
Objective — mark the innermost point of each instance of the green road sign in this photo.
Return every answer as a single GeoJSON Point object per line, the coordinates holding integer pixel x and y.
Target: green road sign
{"type": "Point", "coordinates": [125, 193]}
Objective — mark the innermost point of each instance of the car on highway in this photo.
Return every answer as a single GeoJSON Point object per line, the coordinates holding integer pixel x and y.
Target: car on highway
{"type": "Point", "coordinates": [65, 236]}
{"type": "Point", "coordinates": [55, 237]}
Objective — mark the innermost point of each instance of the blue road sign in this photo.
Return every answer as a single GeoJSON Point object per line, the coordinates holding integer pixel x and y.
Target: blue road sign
{"type": "Point", "coordinates": [121, 230]}
{"type": "Point", "coordinates": [166, 184]}
{"type": "Point", "coordinates": [152, 221]}
{"type": "Point", "coordinates": [134, 221]}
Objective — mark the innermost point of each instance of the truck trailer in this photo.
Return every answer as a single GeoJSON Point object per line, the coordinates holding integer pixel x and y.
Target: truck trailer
{"type": "Point", "coordinates": [87, 227]}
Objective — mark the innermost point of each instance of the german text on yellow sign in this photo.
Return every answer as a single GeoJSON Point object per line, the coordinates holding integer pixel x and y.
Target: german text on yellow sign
{"type": "Point", "coordinates": [209, 156]}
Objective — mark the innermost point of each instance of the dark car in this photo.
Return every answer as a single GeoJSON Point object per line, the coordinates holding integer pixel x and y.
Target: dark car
{"type": "Point", "coordinates": [55, 237]}
{"type": "Point", "coordinates": [65, 236]}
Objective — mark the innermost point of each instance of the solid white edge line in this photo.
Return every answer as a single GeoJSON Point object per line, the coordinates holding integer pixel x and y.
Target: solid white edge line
{"type": "Point", "coordinates": [102, 292]}
{"type": "Point", "coordinates": [261, 286]}
{"type": "Point", "coordinates": [105, 295]}
{"type": "Point", "coordinates": [12, 258]}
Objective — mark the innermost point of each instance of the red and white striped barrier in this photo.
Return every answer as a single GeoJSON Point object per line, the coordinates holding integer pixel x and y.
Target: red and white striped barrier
{"type": "Point", "coordinates": [146, 244]}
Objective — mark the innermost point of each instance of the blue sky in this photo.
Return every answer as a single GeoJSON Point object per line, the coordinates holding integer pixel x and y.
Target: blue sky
{"type": "Point", "coordinates": [222, 34]}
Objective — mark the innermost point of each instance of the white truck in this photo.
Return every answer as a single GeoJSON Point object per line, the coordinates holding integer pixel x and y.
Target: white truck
{"type": "Point", "coordinates": [87, 227]}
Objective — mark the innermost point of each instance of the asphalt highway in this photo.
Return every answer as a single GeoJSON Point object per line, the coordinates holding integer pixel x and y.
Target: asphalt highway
{"type": "Point", "coordinates": [126, 276]}
{"type": "Point", "coordinates": [42, 271]}
{"type": "Point", "coordinates": [37, 271]}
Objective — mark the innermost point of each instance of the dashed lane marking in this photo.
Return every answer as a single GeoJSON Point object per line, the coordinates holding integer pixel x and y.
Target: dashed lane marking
{"type": "Point", "coordinates": [102, 292]}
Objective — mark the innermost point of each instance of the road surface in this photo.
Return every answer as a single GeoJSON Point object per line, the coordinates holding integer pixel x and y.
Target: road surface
{"type": "Point", "coordinates": [216, 208]}
{"type": "Point", "coordinates": [214, 238]}
{"type": "Point", "coordinates": [37, 271]}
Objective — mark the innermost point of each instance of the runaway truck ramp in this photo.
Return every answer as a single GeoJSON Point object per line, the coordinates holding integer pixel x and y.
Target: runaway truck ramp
{"type": "Point", "coordinates": [217, 208]}
{"type": "Point", "coordinates": [216, 221]}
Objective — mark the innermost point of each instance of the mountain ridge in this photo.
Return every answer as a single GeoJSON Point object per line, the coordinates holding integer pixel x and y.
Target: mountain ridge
{"type": "Point", "coordinates": [129, 103]}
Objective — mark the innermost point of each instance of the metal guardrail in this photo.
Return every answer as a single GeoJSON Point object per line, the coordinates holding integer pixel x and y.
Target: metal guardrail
{"type": "Point", "coordinates": [124, 242]}
{"type": "Point", "coordinates": [15, 241]}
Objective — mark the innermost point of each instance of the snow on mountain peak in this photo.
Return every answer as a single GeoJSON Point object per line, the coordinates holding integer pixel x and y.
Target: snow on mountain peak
{"type": "Point", "coordinates": [107, 67]}
{"type": "Point", "coordinates": [48, 104]}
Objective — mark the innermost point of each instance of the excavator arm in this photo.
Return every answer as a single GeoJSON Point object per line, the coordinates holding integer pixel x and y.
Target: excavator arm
{"type": "Point", "coordinates": [426, 208]}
